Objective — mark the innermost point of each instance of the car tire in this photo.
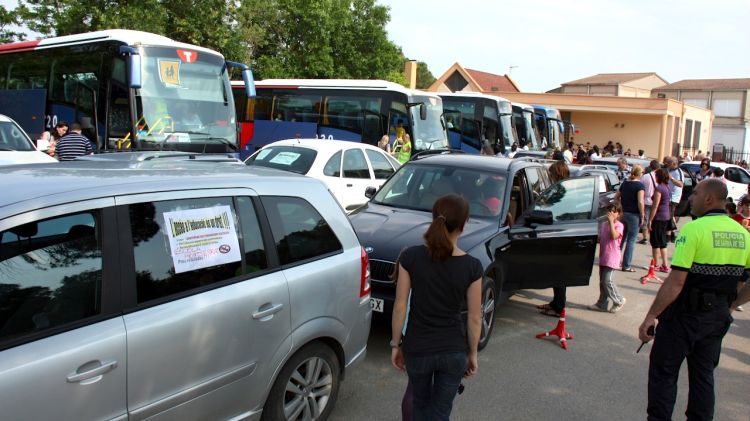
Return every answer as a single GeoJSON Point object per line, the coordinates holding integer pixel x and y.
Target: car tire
{"type": "Point", "coordinates": [489, 303]}
{"type": "Point", "coordinates": [313, 374]}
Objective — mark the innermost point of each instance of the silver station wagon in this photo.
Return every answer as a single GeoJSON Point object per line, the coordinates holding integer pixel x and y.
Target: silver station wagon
{"type": "Point", "coordinates": [183, 291]}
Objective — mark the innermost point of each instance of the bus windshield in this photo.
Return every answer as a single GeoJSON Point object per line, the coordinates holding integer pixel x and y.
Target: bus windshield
{"type": "Point", "coordinates": [430, 132]}
{"type": "Point", "coordinates": [528, 117]}
{"type": "Point", "coordinates": [185, 102]}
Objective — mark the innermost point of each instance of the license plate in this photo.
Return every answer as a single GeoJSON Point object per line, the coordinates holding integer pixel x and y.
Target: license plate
{"type": "Point", "coordinates": [376, 304]}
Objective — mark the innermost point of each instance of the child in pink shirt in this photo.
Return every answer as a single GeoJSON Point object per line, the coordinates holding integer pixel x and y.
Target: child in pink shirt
{"type": "Point", "coordinates": [610, 234]}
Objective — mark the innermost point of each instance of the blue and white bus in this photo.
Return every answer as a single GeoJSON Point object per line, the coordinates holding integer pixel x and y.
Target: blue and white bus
{"type": "Point", "coordinates": [129, 90]}
{"type": "Point", "coordinates": [473, 118]}
{"type": "Point", "coordinates": [525, 126]}
{"type": "Point", "coordinates": [350, 110]}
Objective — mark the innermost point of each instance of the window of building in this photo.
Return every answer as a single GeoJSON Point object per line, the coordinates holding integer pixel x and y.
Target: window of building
{"type": "Point", "coordinates": [727, 107]}
{"type": "Point", "coordinates": [696, 134]}
{"type": "Point", "coordinates": [50, 274]}
{"type": "Point", "coordinates": [696, 102]}
{"type": "Point", "coordinates": [688, 140]}
{"type": "Point", "coordinates": [184, 245]}
{"type": "Point", "coordinates": [299, 231]}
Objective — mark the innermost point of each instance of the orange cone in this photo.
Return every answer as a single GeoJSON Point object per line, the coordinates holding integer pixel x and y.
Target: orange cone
{"type": "Point", "coordinates": [651, 275]}
{"type": "Point", "coordinates": [558, 331]}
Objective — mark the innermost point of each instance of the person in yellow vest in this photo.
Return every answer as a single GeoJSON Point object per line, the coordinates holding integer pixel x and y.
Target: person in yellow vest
{"type": "Point", "coordinates": [402, 151]}
{"type": "Point", "coordinates": [400, 130]}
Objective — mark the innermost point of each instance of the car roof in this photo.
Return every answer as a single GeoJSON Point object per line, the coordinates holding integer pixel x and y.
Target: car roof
{"type": "Point", "coordinates": [716, 164]}
{"type": "Point", "coordinates": [322, 144]}
{"type": "Point", "coordinates": [478, 162]}
{"type": "Point", "coordinates": [5, 118]}
{"type": "Point", "coordinates": [70, 181]}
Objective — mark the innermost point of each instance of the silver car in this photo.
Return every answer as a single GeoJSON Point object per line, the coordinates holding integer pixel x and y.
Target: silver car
{"type": "Point", "coordinates": [185, 291]}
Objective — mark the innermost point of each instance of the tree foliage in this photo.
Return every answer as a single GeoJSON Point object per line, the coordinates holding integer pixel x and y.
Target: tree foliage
{"type": "Point", "coordinates": [278, 38]}
{"type": "Point", "coordinates": [8, 19]}
{"type": "Point", "coordinates": [424, 76]}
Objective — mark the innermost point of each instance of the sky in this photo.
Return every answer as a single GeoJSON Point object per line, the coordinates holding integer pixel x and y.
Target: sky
{"type": "Point", "coordinates": [543, 43]}
{"type": "Point", "coordinates": [552, 42]}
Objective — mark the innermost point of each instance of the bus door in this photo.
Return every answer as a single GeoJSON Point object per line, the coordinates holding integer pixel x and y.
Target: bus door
{"type": "Point", "coordinates": [74, 93]}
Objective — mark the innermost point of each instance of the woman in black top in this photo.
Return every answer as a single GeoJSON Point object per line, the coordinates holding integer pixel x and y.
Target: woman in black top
{"type": "Point", "coordinates": [632, 197]}
{"type": "Point", "coordinates": [440, 347]}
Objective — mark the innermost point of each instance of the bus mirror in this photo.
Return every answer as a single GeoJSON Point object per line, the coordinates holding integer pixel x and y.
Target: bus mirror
{"type": "Point", "coordinates": [422, 111]}
{"type": "Point", "coordinates": [134, 65]}
{"type": "Point", "coordinates": [247, 76]}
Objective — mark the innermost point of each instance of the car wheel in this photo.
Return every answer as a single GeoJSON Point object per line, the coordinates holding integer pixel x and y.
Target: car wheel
{"type": "Point", "coordinates": [307, 386]}
{"type": "Point", "coordinates": [489, 300]}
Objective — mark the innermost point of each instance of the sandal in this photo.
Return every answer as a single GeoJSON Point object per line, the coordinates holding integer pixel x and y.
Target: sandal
{"type": "Point", "coordinates": [628, 270]}
{"type": "Point", "coordinates": [543, 307]}
{"type": "Point", "coordinates": [550, 312]}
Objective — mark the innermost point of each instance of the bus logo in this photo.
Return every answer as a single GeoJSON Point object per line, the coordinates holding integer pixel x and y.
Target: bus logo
{"type": "Point", "coordinates": [187, 56]}
{"type": "Point", "coordinates": [169, 72]}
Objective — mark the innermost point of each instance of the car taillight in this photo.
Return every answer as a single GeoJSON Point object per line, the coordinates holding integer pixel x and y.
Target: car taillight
{"type": "Point", "coordinates": [364, 282]}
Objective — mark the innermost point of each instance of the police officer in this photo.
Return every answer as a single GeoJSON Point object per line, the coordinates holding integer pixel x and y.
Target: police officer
{"type": "Point", "coordinates": [711, 255]}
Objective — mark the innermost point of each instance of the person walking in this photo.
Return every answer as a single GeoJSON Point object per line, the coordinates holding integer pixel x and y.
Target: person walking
{"type": "Point", "coordinates": [676, 182]}
{"type": "Point", "coordinates": [439, 348]}
{"type": "Point", "coordinates": [631, 196]}
{"type": "Point", "coordinates": [659, 219]}
{"type": "Point", "coordinates": [557, 171]}
{"type": "Point", "coordinates": [693, 306]}
{"type": "Point", "coordinates": [610, 234]}
{"type": "Point", "coordinates": [61, 129]}
{"type": "Point", "coordinates": [649, 184]}
{"type": "Point", "coordinates": [73, 145]}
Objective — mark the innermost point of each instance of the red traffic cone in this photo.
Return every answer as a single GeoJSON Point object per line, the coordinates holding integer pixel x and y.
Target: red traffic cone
{"type": "Point", "coordinates": [651, 275]}
{"type": "Point", "coordinates": [558, 331]}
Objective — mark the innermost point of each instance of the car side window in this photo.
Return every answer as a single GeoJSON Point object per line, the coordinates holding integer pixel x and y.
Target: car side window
{"type": "Point", "coordinates": [355, 165]}
{"type": "Point", "coordinates": [737, 175]}
{"type": "Point", "coordinates": [333, 166]}
{"type": "Point", "coordinates": [300, 232]}
{"type": "Point", "coordinates": [252, 239]}
{"type": "Point", "coordinates": [380, 165]}
{"type": "Point", "coordinates": [50, 274]}
{"type": "Point", "coordinates": [535, 181]}
{"type": "Point", "coordinates": [569, 200]}
{"type": "Point", "coordinates": [182, 245]}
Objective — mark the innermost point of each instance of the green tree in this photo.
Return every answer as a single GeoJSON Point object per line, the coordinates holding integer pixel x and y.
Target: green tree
{"type": "Point", "coordinates": [424, 76]}
{"type": "Point", "coordinates": [8, 18]}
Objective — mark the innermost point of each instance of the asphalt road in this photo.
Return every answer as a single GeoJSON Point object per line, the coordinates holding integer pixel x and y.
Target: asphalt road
{"type": "Point", "coordinates": [520, 377]}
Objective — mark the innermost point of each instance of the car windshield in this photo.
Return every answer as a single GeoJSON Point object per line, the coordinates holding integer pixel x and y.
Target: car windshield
{"type": "Point", "coordinates": [418, 186]}
{"type": "Point", "coordinates": [288, 158]}
{"type": "Point", "coordinates": [12, 138]}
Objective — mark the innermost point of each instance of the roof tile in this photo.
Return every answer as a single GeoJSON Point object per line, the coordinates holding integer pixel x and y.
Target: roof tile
{"type": "Point", "coordinates": [609, 78]}
{"type": "Point", "coordinates": [707, 84]}
{"type": "Point", "coordinates": [488, 81]}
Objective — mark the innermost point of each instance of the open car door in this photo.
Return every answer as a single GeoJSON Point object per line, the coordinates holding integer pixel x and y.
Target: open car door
{"type": "Point", "coordinates": [554, 242]}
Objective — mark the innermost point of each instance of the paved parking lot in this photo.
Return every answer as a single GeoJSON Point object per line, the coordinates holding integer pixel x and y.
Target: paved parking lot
{"type": "Point", "coordinates": [524, 378]}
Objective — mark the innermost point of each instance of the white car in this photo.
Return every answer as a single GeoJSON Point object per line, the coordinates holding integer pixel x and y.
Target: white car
{"type": "Point", "coordinates": [347, 168]}
{"type": "Point", "coordinates": [736, 177]}
{"type": "Point", "coordinates": [16, 147]}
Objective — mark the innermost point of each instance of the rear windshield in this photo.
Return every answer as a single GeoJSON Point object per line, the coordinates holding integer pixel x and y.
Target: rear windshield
{"type": "Point", "coordinates": [288, 158]}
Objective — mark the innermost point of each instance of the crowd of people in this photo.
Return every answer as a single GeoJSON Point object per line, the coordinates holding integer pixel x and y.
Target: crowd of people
{"type": "Point", "coordinates": [690, 315]}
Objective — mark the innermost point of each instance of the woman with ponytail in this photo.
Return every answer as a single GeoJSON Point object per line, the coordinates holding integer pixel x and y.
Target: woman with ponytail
{"type": "Point", "coordinates": [440, 347]}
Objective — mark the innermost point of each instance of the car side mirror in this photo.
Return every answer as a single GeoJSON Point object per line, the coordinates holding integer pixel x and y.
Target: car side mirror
{"type": "Point", "coordinates": [542, 217]}
{"type": "Point", "coordinates": [370, 192]}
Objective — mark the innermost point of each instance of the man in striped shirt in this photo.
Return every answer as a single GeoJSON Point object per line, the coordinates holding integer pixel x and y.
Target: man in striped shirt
{"type": "Point", "coordinates": [73, 144]}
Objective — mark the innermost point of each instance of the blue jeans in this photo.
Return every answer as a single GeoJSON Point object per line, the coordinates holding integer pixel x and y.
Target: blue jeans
{"type": "Point", "coordinates": [435, 379]}
{"type": "Point", "coordinates": [632, 222]}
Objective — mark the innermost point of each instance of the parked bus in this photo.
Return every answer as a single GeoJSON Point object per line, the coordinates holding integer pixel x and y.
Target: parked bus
{"type": "Point", "coordinates": [129, 90]}
{"type": "Point", "coordinates": [472, 118]}
{"type": "Point", "coordinates": [525, 127]}
{"type": "Point", "coordinates": [352, 110]}
{"type": "Point", "coordinates": [549, 125]}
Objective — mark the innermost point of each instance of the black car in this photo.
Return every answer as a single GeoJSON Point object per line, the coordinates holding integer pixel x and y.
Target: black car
{"type": "Point", "coordinates": [527, 234]}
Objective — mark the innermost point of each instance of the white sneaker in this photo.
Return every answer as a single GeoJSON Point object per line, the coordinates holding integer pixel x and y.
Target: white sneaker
{"type": "Point", "coordinates": [615, 308]}
{"type": "Point", "coordinates": [595, 307]}
{"type": "Point", "coordinates": [739, 308]}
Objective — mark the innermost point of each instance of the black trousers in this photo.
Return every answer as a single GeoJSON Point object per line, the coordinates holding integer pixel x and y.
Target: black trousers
{"type": "Point", "coordinates": [696, 337]}
{"type": "Point", "coordinates": [558, 298]}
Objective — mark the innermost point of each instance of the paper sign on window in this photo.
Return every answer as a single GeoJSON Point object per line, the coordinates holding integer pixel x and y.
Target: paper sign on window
{"type": "Point", "coordinates": [169, 72]}
{"type": "Point", "coordinates": [201, 238]}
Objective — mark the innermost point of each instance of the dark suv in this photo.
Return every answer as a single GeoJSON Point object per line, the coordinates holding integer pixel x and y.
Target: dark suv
{"type": "Point", "coordinates": [526, 233]}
